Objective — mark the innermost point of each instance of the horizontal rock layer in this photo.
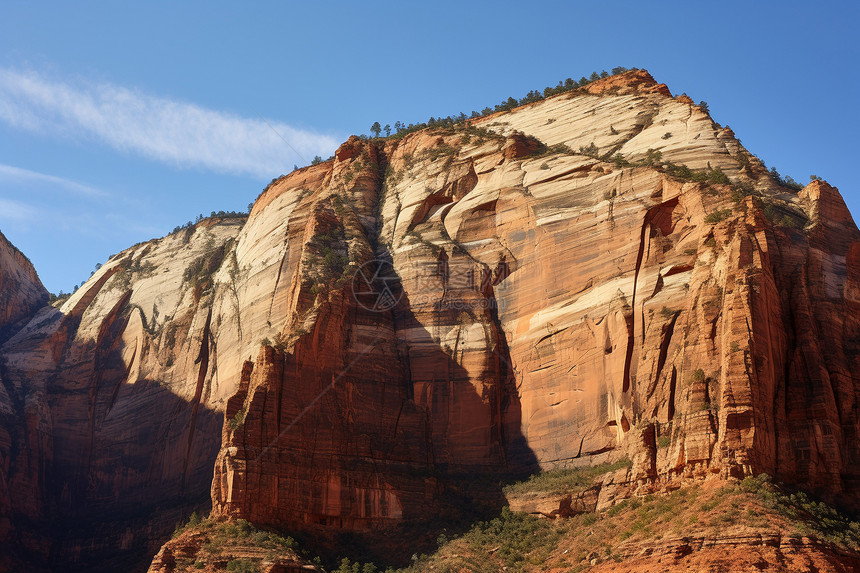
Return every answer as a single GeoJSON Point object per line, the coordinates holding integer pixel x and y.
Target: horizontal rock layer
{"type": "Point", "coordinates": [538, 288]}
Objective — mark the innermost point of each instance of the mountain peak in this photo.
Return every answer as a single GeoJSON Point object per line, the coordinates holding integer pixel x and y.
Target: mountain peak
{"type": "Point", "coordinates": [633, 81]}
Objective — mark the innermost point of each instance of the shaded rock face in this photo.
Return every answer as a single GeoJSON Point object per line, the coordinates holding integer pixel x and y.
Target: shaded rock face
{"type": "Point", "coordinates": [21, 291]}
{"type": "Point", "coordinates": [382, 388]}
{"type": "Point", "coordinates": [21, 295]}
{"type": "Point", "coordinates": [114, 401]}
{"type": "Point", "coordinates": [531, 290]}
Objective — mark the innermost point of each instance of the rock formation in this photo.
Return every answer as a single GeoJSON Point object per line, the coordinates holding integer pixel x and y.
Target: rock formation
{"type": "Point", "coordinates": [21, 295]}
{"type": "Point", "coordinates": [605, 273]}
{"type": "Point", "coordinates": [21, 292]}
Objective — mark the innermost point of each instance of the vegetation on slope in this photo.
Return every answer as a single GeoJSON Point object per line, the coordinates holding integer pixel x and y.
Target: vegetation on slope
{"type": "Point", "coordinates": [520, 542]}
{"type": "Point", "coordinates": [514, 541]}
{"type": "Point", "coordinates": [209, 544]}
{"type": "Point", "coordinates": [563, 481]}
{"type": "Point", "coordinates": [400, 129]}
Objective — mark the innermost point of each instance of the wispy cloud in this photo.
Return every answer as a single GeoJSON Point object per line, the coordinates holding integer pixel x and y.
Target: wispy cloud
{"type": "Point", "coordinates": [9, 173]}
{"type": "Point", "coordinates": [174, 132]}
{"type": "Point", "coordinates": [16, 211]}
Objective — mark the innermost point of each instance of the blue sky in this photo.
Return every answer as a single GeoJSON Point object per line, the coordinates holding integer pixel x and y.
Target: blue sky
{"type": "Point", "coordinates": [119, 121]}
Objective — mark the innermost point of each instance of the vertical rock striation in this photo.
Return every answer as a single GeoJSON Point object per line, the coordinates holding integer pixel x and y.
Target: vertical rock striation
{"type": "Point", "coordinates": [605, 273]}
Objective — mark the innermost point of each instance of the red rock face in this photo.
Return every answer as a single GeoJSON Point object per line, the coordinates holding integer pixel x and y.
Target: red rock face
{"type": "Point", "coordinates": [355, 426]}
{"type": "Point", "coordinates": [550, 325]}
{"type": "Point", "coordinates": [105, 457]}
{"type": "Point", "coordinates": [803, 366]}
{"type": "Point", "coordinates": [21, 291]}
{"type": "Point", "coordinates": [21, 295]}
{"type": "Point", "coordinates": [636, 81]}
{"type": "Point", "coordinates": [536, 289]}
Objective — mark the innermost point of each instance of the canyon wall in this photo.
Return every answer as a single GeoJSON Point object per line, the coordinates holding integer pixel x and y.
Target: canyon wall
{"type": "Point", "coordinates": [553, 306]}
{"type": "Point", "coordinates": [605, 273]}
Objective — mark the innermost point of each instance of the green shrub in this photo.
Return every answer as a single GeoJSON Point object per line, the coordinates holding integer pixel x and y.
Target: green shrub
{"type": "Point", "coordinates": [718, 215]}
{"type": "Point", "coordinates": [752, 484]}
{"type": "Point", "coordinates": [738, 193]}
{"type": "Point", "coordinates": [790, 222]}
{"type": "Point", "coordinates": [242, 566]}
{"type": "Point", "coordinates": [435, 153]}
{"type": "Point", "coordinates": [791, 183]}
{"type": "Point", "coordinates": [238, 419]}
{"type": "Point", "coordinates": [199, 274]}
{"type": "Point", "coordinates": [452, 122]}
{"type": "Point", "coordinates": [619, 160]}
{"type": "Point", "coordinates": [709, 505]}
{"type": "Point", "coordinates": [652, 157]}
{"type": "Point", "coordinates": [590, 150]}
{"type": "Point", "coordinates": [559, 148]}
{"type": "Point", "coordinates": [786, 181]}
{"type": "Point", "coordinates": [518, 536]}
{"type": "Point", "coordinates": [347, 566]}
{"type": "Point", "coordinates": [564, 481]}
{"type": "Point", "coordinates": [707, 175]}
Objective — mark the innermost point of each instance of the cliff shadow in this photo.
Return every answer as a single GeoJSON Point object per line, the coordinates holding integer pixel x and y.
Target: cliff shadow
{"type": "Point", "coordinates": [464, 386]}
{"type": "Point", "coordinates": [103, 468]}
{"type": "Point", "coordinates": [143, 477]}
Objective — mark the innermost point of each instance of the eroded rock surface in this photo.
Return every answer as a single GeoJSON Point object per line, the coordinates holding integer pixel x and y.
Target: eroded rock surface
{"type": "Point", "coordinates": [21, 295]}
{"type": "Point", "coordinates": [554, 305]}
{"type": "Point", "coordinates": [539, 288]}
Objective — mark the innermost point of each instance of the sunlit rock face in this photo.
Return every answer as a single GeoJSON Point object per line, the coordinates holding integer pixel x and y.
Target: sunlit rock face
{"type": "Point", "coordinates": [538, 288]}
{"type": "Point", "coordinates": [552, 305]}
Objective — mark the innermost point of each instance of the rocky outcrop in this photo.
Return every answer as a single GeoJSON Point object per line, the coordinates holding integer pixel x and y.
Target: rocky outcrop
{"type": "Point", "coordinates": [21, 295]}
{"type": "Point", "coordinates": [21, 291]}
{"type": "Point", "coordinates": [116, 434]}
{"type": "Point", "coordinates": [352, 419]}
{"type": "Point", "coordinates": [730, 553]}
{"type": "Point", "coordinates": [217, 547]}
{"type": "Point", "coordinates": [633, 82]}
{"type": "Point", "coordinates": [602, 274]}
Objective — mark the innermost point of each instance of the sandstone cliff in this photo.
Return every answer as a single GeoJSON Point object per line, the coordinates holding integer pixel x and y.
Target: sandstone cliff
{"type": "Point", "coordinates": [21, 295]}
{"type": "Point", "coordinates": [553, 305]}
{"type": "Point", "coordinates": [606, 273]}
{"type": "Point", "coordinates": [114, 392]}
{"type": "Point", "coordinates": [21, 292]}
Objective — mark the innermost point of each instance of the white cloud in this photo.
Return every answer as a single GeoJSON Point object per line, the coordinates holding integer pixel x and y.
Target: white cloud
{"type": "Point", "coordinates": [16, 174]}
{"type": "Point", "coordinates": [178, 133]}
{"type": "Point", "coordinates": [16, 211]}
